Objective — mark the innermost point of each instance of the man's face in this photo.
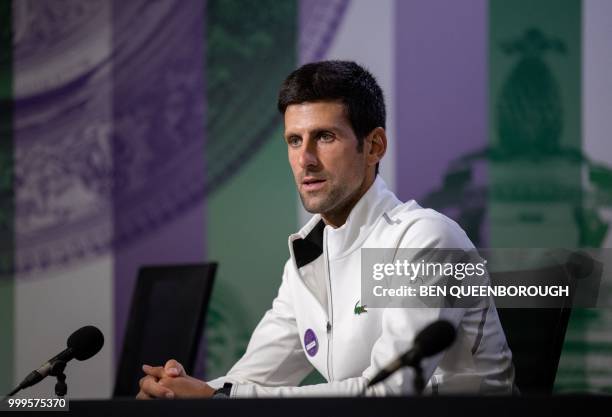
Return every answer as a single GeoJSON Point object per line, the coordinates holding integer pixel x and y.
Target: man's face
{"type": "Point", "coordinates": [329, 172]}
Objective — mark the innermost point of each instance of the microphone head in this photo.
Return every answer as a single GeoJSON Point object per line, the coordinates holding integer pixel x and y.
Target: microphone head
{"type": "Point", "coordinates": [434, 338]}
{"type": "Point", "coordinates": [580, 265]}
{"type": "Point", "coordinates": [85, 342]}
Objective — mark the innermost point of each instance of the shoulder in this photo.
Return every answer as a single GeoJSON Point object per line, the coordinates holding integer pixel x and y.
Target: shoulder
{"type": "Point", "coordinates": [427, 228]}
{"type": "Point", "coordinates": [287, 268]}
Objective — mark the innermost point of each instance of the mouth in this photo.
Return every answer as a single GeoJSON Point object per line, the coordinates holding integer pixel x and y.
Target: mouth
{"type": "Point", "coordinates": [312, 184]}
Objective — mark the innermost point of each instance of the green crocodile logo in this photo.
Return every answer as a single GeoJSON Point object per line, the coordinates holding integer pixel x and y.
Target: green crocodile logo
{"type": "Point", "coordinates": [359, 309]}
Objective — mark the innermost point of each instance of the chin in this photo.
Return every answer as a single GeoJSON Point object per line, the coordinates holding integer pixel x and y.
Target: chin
{"type": "Point", "coordinates": [310, 209]}
{"type": "Point", "coordinates": [311, 206]}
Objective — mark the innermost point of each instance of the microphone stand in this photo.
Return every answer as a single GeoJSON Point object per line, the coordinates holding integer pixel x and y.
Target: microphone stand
{"type": "Point", "coordinates": [419, 381]}
{"type": "Point", "coordinates": [57, 370]}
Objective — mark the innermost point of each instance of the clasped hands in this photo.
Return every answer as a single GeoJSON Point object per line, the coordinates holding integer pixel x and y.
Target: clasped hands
{"type": "Point", "coordinates": [171, 381]}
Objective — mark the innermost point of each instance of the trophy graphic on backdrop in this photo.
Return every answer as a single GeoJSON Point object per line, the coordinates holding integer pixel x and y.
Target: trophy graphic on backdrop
{"type": "Point", "coordinates": [542, 191]}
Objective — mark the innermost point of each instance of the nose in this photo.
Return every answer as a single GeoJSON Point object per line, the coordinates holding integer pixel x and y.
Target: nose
{"type": "Point", "coordinates": [308, 155]}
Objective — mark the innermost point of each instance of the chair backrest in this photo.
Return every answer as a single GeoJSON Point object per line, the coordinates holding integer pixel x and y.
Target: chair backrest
{"type": "Point", "coordinates": [535, 335]}
{"type": "Point", "coordinates": [166, 320]}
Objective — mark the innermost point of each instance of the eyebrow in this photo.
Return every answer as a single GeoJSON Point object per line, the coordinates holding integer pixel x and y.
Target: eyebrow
{"type": "Point", "coordinates": [315, 132]}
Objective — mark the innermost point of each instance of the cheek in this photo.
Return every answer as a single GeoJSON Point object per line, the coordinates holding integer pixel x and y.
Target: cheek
{"type": "Point", "coordinates": [294, 165]}
{"type": "Point", "coordinates": [349, 164]}
{"type": "Point", "coordinates": [291, 159]}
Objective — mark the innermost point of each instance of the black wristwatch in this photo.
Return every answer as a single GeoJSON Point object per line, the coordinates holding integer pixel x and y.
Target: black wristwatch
{"type": "Point", "coordinates": [223, 392]}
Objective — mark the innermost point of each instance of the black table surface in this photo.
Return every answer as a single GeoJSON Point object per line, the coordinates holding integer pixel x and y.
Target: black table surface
{"type": "Point", "coordinates": [519, 406]}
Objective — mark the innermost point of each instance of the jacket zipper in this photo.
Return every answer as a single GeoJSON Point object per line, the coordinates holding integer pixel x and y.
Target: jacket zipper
{"type": "Point", "coordinates": [326, 312]}
{"type": "Point", "coordinates": [330, 313]}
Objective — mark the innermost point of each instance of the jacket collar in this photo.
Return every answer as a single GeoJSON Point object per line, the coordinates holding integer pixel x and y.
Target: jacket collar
{"type": "Point", "coordinates": [307, 244]}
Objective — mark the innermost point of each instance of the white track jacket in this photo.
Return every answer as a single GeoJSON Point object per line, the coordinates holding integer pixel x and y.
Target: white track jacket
{"type": "Point", "coordinates": [313, 322]}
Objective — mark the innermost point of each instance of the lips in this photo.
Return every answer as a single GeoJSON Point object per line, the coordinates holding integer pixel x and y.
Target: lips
{"type": "Point", "coordinates": [312, 184]}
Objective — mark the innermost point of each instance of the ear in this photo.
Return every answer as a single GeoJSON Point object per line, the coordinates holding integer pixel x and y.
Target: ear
{"type": "Point", "coordinates": [377, 146]}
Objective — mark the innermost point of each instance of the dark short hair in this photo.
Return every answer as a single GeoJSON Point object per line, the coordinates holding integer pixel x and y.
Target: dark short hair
{"type": "Point", "coordinates": [346, 81]}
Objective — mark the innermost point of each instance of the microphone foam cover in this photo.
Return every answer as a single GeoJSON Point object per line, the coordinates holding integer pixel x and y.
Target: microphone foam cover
{"type": "Point", "coordinates": [436, 337]}
{"type": "Point", "coordinates": [86, 342]}
{"type": "Point", "coordinates": [580, 265]}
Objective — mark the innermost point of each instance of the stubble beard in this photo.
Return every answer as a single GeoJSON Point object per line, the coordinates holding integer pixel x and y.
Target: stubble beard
{"type": "Point", "coordinates": [335, 200]}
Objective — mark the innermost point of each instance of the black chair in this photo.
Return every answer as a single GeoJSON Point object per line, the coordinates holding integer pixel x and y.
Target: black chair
{"type": "Point", "coordinates": [536, 335]}
{"type": "Point", "coordinates": [166, 320]}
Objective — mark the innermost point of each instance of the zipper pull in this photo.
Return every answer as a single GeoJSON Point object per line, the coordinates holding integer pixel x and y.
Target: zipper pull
{"type": "Point", "coordinates": [329, 327]}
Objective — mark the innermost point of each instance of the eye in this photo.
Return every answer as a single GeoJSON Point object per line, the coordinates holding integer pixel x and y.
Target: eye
{"type": "Point", "coordinates": [294, 141]}
{"type": "Point", "coordinates": [326, 137]}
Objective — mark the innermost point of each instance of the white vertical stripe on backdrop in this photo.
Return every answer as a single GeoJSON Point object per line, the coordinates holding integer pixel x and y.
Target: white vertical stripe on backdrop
{"type": "Point", "coordinates": [51, 301]}
{"type": "Point", "coordinates": [597, 146]}
{"type": "Point", "coordinates": [49, 307]}
{"type": "Point", "coordinates": [597, 88]}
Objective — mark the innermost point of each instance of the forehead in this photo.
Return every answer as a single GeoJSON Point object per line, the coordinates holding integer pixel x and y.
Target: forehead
{"type": "Point", "coordinates": [315, 115]}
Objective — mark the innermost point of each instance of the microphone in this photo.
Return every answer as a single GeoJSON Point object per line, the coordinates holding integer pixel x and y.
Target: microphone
{"type": "Point", "coordinates": [580, 265]}
{"type": "Point", "coordinates": [433, 339]}
{"type": "Point", "coordinates": [81, 345]}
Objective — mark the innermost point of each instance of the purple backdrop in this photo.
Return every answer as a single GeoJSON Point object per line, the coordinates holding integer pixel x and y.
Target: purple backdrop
{"type": "Point", "coordinates": [158, 140]}
{"type": "Point", "coordinates": [441, 90]}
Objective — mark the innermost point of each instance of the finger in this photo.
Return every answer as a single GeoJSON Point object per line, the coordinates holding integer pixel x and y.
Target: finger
{"type": "Point", "coordinates": [156, 371]}
{"type": "Point", "coordinates": [143, 396]}
{"type": "Point", "coordinates": [144, 378]}
{"type": "Point", "coordinates": [174, 368]}
{"type": "Point", "coordinates": [152, 388]}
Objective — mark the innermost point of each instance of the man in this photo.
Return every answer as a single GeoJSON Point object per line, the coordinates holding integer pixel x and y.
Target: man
{"type": "Point", "coordinates": [334, 117]}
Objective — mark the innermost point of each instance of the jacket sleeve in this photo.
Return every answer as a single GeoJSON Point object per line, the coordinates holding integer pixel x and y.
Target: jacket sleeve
{"type": "Point", "coordinates": [274, 355]}
{"type": "Point", "coordinates": [399, 327]}
{"type": "Point", "coordinates": [398, 331]}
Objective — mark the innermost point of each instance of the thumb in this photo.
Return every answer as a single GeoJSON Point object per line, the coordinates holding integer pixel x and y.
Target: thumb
{"type": "Point", "coordinates": [174, 368]}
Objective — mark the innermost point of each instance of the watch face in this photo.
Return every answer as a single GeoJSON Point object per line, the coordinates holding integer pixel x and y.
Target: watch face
{"type": "Point", "coordinates": [223, 392]}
